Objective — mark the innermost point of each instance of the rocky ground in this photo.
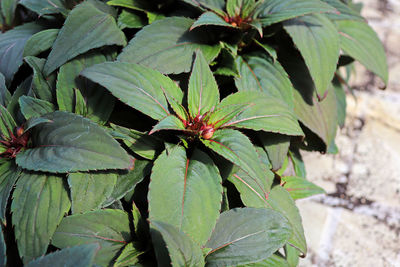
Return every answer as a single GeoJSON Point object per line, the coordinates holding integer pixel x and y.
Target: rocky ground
{"type": "Point", "coordinates": [358, 222]}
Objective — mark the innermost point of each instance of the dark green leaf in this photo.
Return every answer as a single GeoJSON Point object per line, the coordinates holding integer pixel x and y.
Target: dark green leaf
{"type": "Point", "coordinates": [80, 104]}
{"type": "Point", "coordinates": [78, 256]}
{"type": "Point", "coordinates": [85, 28]}
{"type": "Point", "coordinates": [273, 261]}
{"type": "Point", "coordinates": [9, 174]}
{"type": "Point", "coordinates": [12, 45]}
{"type": "Point", "coordinates": [135, 85]}
{"type": "Point", "coordinates": [258, 73]}
{"type": "Point", "coordinates": [3, 257]}
{"type": "Point", "coordinates": [23, 89]}
{"type": "Point", "coordinates": [90, 190]}
{"type": "Point", "coordinates": [8, 9]}
{"type": "Point", "coordinates": [210, 18]}
{"type": "Point", "coordinates": [173, 51]}
{"type": "Point", "coordinates": [203, 93]}
{"type": "Point", "coordinates": [269, 49]}
{"type": "Point", "coordinates": [4, 93]}
{"type": "Point", "coordinates": [298, 163]}
{"type": "Point", "coordinates": [344, 12]}
{"type": "Point", "coordinates": [277, 147]}
{"type": "Point", "coordinates": [299, 187]}
{"type": "Point", "coordinates": [42, 85]}
{"type": "Point", "coordinates": [140, 5]}
{"type": "Point", "coordinates": [263, 113]}
{"type": "Point", "coordinates": [99, 104]}
{"type": "Point", "coordinates": [72, 143]}
{"type": "Point", "coordinates": [215, 5]}
{"type": "Point", "coordinates": [40, 42]}
{"type": "Point", "coordinates": [361, 42]}
{"type": "Point", "coordinates": [109, 228]}
{"type": "Point", "coordinates": [32, 122]}
{"type": "Point", "coordinates": [169, 123]}
{"type": "Point", "coordinates": [186, 193]}
{"type": "Point", "coordinates": [45, 7]}
{"type": "Point", "coordinates": [227, 64]}
{"type": "Point", "coordinates": [39, 203]}
{"type": "Point", "coordinates": [33, 107]}
{"type": "Point", "coordinates": [247, 235]}
{"type": "Point", "coordinates": [128, 257]}
{"type": "Point", "coordinates": [318, 42]}
{"type": "Point", "coordinates": [280, 200]}
{"type": "Point", "coordinates": [131, 20]}
{"type": "Point", "coordinates": [175, 247]}
{"type": "Point", "coordinates": [273, 11]}
{"type": "Point", "coordinates": [7, 123]}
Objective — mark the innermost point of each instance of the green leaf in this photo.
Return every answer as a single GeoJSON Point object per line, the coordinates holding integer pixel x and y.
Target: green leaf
{"type": "Point", "coordinates": [140, 5]}
{"type": "Point", "coordinates": [241, 8]}
{"type": "Point", "coordinates": [280, 200]}
{"type": "Point", "coordinates": [80, 104]}
{"type": "Point", "coordinates": [127, 182]}
{"type": "Point", "coordinates": [175, 247]}
{"type": "Point", "coordinates": [341, 102]}
{"type": "Point", "coordinates": [263, 113]}
{"type": "Point", "coordinates": [7, 123]}
{"type": "Point", "coordinates": [71, 143]}
{"type": "Point", "coordinates": [186, 193]}
{"type": "Point", "coordinates": [299, 187]}
{"type": "Point", "coordinates": [143, 144]}
{"type": "Point", "coordinates": [99, 104]}
{"type": "Point", "coordinates": [90, 190]}
{"type": "Point", "coordinates": [39, 203]}
{"type": "Point", "coordinates": [344, 12]}
{"type": "Point", "coordinates": [4, 93]}
{"type": "Point", "coordinates": [135, 85]}
{"type": "Point", "coordinates": [203, 93]}
{"type": "Point", "coordinates": [77, 256]}
{"type": "Point", "coordinates": [42, 85]}
{"type": "Point", "coordinates": [169, 123]}
{"type": "Point", "coordinates": [128, 257]}
{"type": "Point", "coordinates": [227, 64]}
{"type": "Point", "coordinates": [292, 255]}
{"type": "Point", "coordinates": [8, 9]}
{"type": "Point", "coordinates": [247, 235]}
{"type": "Point", "coordinates": [85, 28]}
{"type": "Point", "coordinates": [173, 51]}
{"type": "Point", "coordinates": [3, 256]}
{"type": "Point", "coordinates": [33, 107]}
{"type": "Point", "coordinates": [130, 20]}
{"type": "Point", "coordinates": [9, 174]}
{"type": "Point", "coordinates": [109, 228]}
{"type": "Point", "coordinates": [277, 147]}
{"type": "Point", "coordinates": [12, 45]}
{"type": "Point", "coordinates": [210, 18]}
{"type": "Point", "coordinates": [215, 5]}
{"type": "Point", "coordinates": [258, 73]}
{"type": "Point", "coordinates": [318, 42]}
{"type": "Point", "coordinates": [45, 7]}
{"type": "Point", "coordinates": [269, 49]}
{"type": "Point", "coordinates": [40, 42]}
{"type": "Point", "coordinates": [359, 40]}
{"type": "Point", "coordinates": [238, 149]}
{"type": "Point", "coordinates": [298, 163]}
{"type": "Point", "coordinates": [273, 11]}
{"type": "Point", "coordinates": [32, 122]}
{"type": "Point", "coordinates": [273, 261]}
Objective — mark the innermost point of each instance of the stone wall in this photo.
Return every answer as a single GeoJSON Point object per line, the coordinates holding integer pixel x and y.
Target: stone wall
{"type": "Point", "coordinates": [358, 222]}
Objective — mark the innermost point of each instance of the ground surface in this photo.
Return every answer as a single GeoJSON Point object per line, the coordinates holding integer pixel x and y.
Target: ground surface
{"type": "Point", "coordinates": [358, 222]}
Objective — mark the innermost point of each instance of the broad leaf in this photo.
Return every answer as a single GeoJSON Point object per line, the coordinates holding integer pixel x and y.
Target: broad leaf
{"type": "Point", "coordinates": [277, 147]}
{"type": "Point", "coordinates": [143, 144]}
{"type": "Point", "coordinates": [45, 7]}
{"type": "Point", "coordinates": [238, 149]}
{"type": "Point", "coordinates": [72, 143]}
{"type": "Point", "coordinates": [8, 9]}
{"type": "Point", "coordinates": [24, 88]}
{"type": "Point", "coordinates": [292, 255]}
{"type": "Point", "coordinates": [3, 257]}
{"type": "Point", "coordinates": [140, 5]}
{"type": "Point", "coordinates": [12, 45]}
{"type": "Point", "coordinates": [7, 123]}
{"type": "Point", "coordinates": [173, 51]}
{"type": "Point", "coordinates": [40, 42]}
{"type": "Point", "coordinates": [97, 100]}
{"type": "Point", "coordinates": [344, 12]}
{"type": "Point", "coordinates": [4, 93]}
{"type": "Point", "coordinates": [135, 85]}
{"type": "Point", "coordinates": [175, 247]}
{"type": "Point", "coordinates": [42, 85]}
{"type": "Point", "coordinates": [341, 103]}
{"type": "Point", "coordinates": [361, 42]}
{"type": "Point", "coordinates": [33, 107]}
{"type": "Point", "coordinates": [85, 28]}
{"type": "Point", "coordinates": [203, 93]}
{"type": "Point", "coordinates": [299, 187]}
{"type": "Point", "coordinates": [128, 257]}
{"type": "Point", "coordinates": [298, 163]}
{"type": "Point", "coordinates": [247, 235]}
{"type": "Point", "coordinates": [186, 193]}
{"type": "Point", "coordinates": [280, 200]}
{"type": "Point", "coordinates": [109, 228]}
{"type": "Point", "coordinates": [258, 73]}
{"type": "Point", "coordinates": [90, 190]}
{"type": "Point", "coordinates": [318, 42]}
{"type": "Point", "coordinates": [39, 203]}
{"type": "Point", "coordinates": [169, 123]}
{"type": "Point", "coordinates": [263, 113]}
{"type": "Point", "coordinates": [273, 11]}
{"type": "Point", "coordinates": [130, 20]}
{"type": "Point", "coordinates": [210, 18]}
{"type": "Point", "coordinates": [9, 174]}
{"type": "Point", "coordinates": [78, 256]}
{"type": "Point", "coordinates": [273, 261]}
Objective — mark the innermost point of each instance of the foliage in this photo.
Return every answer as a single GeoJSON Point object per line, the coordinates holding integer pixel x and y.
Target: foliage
{"type": "Point", "coordinates": [143, 133]}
